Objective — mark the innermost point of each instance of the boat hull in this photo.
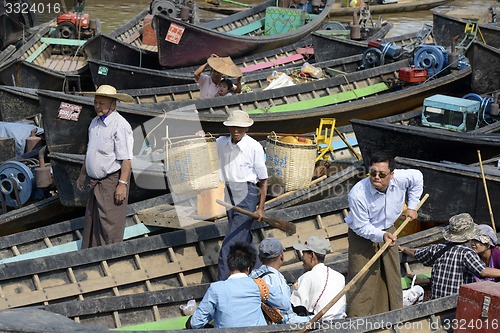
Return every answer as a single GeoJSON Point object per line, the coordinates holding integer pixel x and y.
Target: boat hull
{"type": "Point", "coordinates": [197, 43]}
{"type": "Point", "coordinates": [485, 62]}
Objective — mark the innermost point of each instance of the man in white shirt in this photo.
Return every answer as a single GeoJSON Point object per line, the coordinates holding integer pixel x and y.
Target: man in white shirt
{"type": "Point", "coordinates": [243, 169]}
{"type": "Point", "coordinates": [319, 284]}
{"type": "Point", "coordinates": [375, 203]}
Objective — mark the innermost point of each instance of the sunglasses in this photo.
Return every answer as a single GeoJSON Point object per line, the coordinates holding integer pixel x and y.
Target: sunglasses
{"type": "Point", "coordinates": [381, 174]}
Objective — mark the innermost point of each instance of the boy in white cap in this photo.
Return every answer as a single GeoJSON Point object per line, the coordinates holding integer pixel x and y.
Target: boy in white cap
{"type": "Point", "coordinates": [319, 284]}
{"type": "Point", "coordinates": [243, 169]}
{"type": "Point", "coordinates": [453, 263]}
{"type": "Point", "coordinates": [272, 257]}
{"type": "Point", "coordinates": [108, 164]}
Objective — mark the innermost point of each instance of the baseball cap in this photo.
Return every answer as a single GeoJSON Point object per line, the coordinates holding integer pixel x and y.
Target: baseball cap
{"type": "Point", "coordinates": [316, 244]}
{"type": "Point", "coordinates": [270, 248]}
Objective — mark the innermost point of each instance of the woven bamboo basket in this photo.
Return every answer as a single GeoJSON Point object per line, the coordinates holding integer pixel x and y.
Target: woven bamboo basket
{"type": "Point", "coordinates": [193, 165]}
{"type": "Point", "coordinates": [290, 165]}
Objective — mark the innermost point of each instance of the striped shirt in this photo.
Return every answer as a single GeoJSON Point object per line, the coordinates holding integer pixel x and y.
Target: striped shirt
{"type": "Point", "coordinates": [455, 267]}
{"type": "Point", "coordinates": [110, 142]}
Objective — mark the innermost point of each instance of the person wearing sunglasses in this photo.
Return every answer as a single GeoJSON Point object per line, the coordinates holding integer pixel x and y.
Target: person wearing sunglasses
{"type": "Point", "coordinates": [375, 203]}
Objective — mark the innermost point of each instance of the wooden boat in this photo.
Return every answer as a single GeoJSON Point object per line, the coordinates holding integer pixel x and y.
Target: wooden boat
{"type": "Point", "coordinates": [296, 108]}
{"type": "Point", "coordinates": [455, 188]}
{"type": "Point", "coordinates": [426, 143]}
{"type": "Point", "coordinates": [14, 24]}
{"type": "Point", "coordinates": [119, 75]}
{"type": "Point", "coordinates": [485, 62]}
{"type": "Point", "coordinates": [40, 213]}
{"type": "Point", "coordinates": [395, 7]}
{"type": "Point", "coordinates": [338, 10]}
{"type": "Point", "coordinates": [236, 35]}
{"type": "Point", "coordinates": [332, 47]}
{"type": "Point", "coordinates": [436, 314]}
{"type": "Point", "coordinates": [125, 45]}
{"type": "Point", "coordinates": [181, 258]}
{"type": "Point", "coordinates": [16, 104]}
{"type": "Point", "coordinates": [55, 239]}
{"type": "Point", "coordinates": [445, 27]}
{"type": "Point", "coordinates": [48, 63]}
{"type": "Point", "coordinates": [157, 299]}
{"type": "Point", "coordinates": [148, 180]}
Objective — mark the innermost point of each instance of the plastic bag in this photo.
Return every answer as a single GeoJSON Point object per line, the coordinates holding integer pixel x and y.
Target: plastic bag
{"type": "Point", "coordinates": [413, 295]}
{"type": "Point", "coordinates": [189, 308]}
{"type": "Point", "coordinates": [311, 70]}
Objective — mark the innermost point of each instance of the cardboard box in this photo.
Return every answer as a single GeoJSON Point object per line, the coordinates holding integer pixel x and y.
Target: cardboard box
{"type": "Point", "coordinates": [148, 34]}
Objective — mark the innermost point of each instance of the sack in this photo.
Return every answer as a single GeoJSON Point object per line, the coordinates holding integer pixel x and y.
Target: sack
{"type": "Point", "coordinates": [413, 295]}
{"type": "Point", "coordinates": [272, 315]}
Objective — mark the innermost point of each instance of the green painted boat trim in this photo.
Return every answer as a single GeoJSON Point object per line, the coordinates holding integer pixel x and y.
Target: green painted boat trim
{"type": "Point", "coordinates": [406, 281]}
{"type": "Point", "coordinates": [130, 232]}
{"type": "Point", "coordinates": [178, 323]}
{"type": "Point", "coordinates": [37, 52]}
{"type": "Point", "coordinates": [246, 29]}
{"type": "Point", "coordinates": [62, 41]}
{"type": "Point", "coordinates": [326, 100]}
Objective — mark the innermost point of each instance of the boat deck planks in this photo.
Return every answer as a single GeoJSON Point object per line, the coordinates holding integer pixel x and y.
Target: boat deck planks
{"type": "Point", "coordinates": [159, 262]}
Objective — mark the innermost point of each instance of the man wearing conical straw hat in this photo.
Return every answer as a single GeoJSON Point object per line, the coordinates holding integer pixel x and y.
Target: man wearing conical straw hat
{"type": "Point", "coordinates": [108, 164]}
{"type": "Point", "coordinates": [209, 84]}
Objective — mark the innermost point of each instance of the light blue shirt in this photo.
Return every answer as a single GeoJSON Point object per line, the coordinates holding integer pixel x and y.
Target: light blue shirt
{"type": "Point", "coordinates": [372, 212]}
{"type": "Point", "coordinates": [235, 302]}
{"type": "Point", "coordinates": [275, 279]}
{"type": "Point", "coordinates": [110, 142]}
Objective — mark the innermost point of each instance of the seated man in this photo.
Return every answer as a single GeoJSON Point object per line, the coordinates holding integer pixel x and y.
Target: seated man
{"type": "Point", "coordinates": [319, 284]}
{"type": "Point", "coordinates": [272, 257]}
{"type": "Point", "coordinates": [453, 263]}
{"type": "Point", "coordinates": [236, 302]}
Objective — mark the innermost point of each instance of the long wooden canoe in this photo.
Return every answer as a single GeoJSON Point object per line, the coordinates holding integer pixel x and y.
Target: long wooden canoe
{"type": "Point", "coordinates": [297, 109]}
{"type": "Point", "coordinates": [327, 46]}
{"type": "Point", "coordinates": [159, 300]}
{"type": "Point", "coordinates": [455, 188]}
{"type": "Point", "coordinates": [169, 260]}
{"type": "Point", "coordinates": [485, 62]}
{"type": "Point", "coordinates": [15, 24]}
{"type": "Point", "coordinates": [425, 143]}
{"type": "Point", "coordinates": [123, 76]}
{"type": "Point", "coordinates": [445, 27]}
{"type": "Point", "coordinates": [17, 104]}
{"type": "Point", "coordinates": [236, 35]}
{"type": "Point", "coordinates": [48, 63]}
{"type": "Point", "coordinates": [427, 317]}
{"type": "Point", "coordinates": [56, 238]}
{"type": "Point", "coordinates": [338, 10]}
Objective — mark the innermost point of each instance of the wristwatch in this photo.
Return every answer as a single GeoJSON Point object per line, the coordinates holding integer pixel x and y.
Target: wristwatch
{"type": "Point", "coordinates": [123, 182]}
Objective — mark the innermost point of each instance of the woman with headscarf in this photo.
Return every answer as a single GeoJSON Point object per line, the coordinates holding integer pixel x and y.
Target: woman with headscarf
{"type": "Point", "coordinates": [485, 246]}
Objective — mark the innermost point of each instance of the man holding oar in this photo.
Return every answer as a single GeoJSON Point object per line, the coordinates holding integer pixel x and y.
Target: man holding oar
{"type": "Point", "coordinates": [375, 204]}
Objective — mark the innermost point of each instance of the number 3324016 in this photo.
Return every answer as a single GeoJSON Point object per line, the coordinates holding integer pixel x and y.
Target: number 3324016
{"type": "Point", "coordinates": [35, 8]}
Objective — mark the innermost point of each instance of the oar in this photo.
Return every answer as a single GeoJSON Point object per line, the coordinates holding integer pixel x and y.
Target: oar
{"type": "Point", "coordinates": [361, 273]}
{"type": "Point", "coordinates": [283, 225]}
{"type": "Point", "coordinates": [486, 190]}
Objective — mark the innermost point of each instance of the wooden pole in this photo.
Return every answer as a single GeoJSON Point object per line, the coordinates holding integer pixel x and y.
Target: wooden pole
{"type": "Point", "coordinates": [360, 274]}
{"type": "Point", "coordinates": [492, 219]}
{"type": "Point", "coordinates": [283, 225]}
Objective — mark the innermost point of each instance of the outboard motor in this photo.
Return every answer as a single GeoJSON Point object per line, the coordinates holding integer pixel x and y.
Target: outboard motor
{"type": "Point", "coordinates": [375, 54]}
{"type": "Point", "coordinates": [433, 58]}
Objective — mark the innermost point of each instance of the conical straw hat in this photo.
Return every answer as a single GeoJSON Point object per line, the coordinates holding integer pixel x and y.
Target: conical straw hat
{"type": "Point", "coordinates": [224, 65]}
{"type": "Point", "coordinates": [110, 91]}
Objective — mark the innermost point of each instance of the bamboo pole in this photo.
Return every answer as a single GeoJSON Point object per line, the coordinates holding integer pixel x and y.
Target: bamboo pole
{"type": "Point", "coordinates": [492, 219]}
{"type": "Point", "coordinates": [360, 274]}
